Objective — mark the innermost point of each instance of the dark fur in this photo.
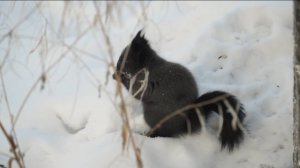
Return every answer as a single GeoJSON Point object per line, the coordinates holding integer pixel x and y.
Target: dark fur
{"type": "Point", "coordinates": [170, 87]}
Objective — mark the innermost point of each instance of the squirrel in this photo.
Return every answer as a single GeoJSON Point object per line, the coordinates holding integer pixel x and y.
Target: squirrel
{"type": "Point", "coordinates": [165, 87]}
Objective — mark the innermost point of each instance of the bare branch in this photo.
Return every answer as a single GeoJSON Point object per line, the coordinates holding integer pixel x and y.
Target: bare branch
{"type": "Point", "coordinates": [63, 55]}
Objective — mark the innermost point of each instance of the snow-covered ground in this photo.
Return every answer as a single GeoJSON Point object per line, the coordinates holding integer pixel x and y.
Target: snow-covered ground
{"type": "Point", "coordinates": [245, 48]}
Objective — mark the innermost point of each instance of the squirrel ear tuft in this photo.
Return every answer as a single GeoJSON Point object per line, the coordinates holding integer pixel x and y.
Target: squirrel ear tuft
{"type": "Point", "coordinates": [140, 40]}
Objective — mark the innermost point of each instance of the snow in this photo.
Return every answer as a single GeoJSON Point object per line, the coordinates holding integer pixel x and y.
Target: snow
{"type": "Point", "coordinates": [245, 48]}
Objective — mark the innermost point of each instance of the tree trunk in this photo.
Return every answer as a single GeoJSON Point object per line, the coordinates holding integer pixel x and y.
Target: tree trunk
{"type": "Point", "coordinates": [296, 156]}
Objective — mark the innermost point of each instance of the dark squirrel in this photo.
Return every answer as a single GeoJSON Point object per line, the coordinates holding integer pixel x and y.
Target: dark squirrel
{"type": "Point", "coordinates": [164, 87]}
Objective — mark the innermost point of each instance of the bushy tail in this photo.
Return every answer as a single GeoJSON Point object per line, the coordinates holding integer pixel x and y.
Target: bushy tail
{"type": "Point", "coordinates": [231, 113]}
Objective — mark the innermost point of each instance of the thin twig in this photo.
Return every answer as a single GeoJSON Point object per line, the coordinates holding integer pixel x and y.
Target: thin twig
{"type": "Point", "coordinates": [19, 23]}
{"type": "Point", "coordinates": [124, 113]}
{"type": "Point", "coordinates": [14, 148]}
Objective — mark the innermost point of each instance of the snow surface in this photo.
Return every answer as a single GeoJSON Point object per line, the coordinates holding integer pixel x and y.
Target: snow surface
{"type": "Point", "coordinates": [244, 48]}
